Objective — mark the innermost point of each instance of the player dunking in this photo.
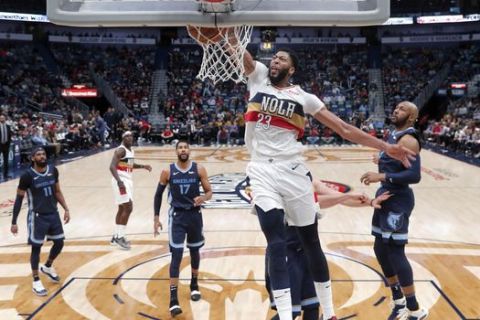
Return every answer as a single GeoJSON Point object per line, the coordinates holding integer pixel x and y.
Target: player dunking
{"type": "Point", "coordinates": [40, 182]}
{"type": "Point", "coordinates": [185, 218]}
{"type": "Point", "coordinates": [390, 223]}
{"type": "Point", "coordinates": [121, 168]}
{"type": "Point", "coordinates": [275, 120]}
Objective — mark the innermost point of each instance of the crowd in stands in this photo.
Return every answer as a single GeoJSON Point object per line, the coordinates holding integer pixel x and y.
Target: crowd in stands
{"type": "Point", "coordinates": [69, 132]}
{"type": "Point", "coordinates": [406, 71]}
{"type": "Point", "coordinates": [200, 111]}
{"type": "Point", "coordinates": [25, 75]}
{"type": "Point", "coordinates": [206, 114]}
{"type": "Point", "coordinates": [99, 33]}
{"type": "Point", "coordinates": [459, 130]}
{"type": "Point", "coordinates": [128, 70]}
{"type": "Point", "coordinates": [338, 76]}
{"type": "Point", "coordinates": [464, 65]}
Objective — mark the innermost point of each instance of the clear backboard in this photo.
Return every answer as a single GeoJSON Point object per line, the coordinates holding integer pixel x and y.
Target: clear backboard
{"type": "Point", "coordinates": [239, 12]}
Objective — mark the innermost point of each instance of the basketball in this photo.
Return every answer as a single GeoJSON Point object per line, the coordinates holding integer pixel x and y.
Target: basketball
{"type": "Point", "coordinates": [206, 34]}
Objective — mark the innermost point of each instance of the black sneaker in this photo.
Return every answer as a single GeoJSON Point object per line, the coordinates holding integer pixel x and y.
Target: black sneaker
{"type": "Point", "coordinates": [175, 309]}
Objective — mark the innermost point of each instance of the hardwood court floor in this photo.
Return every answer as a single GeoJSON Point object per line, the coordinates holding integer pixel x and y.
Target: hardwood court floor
{"type": "Point", "coordinates": [102, 282]}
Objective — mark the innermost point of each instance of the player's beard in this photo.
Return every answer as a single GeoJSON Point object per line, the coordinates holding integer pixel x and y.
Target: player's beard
{"type": "Point", "coordinates": [183, 157]}
{"type": "Point", "coordinates": [275, 80]}
{"type": "Point", "coordinates": [40, 164]}
{"type": "Point", "coordinates": [399, 122]}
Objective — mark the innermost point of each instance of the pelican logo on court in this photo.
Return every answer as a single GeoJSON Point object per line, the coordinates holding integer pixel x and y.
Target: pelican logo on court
{"type": "Point", "coordinates": [395, 220]}
{"type": "Point", "coordinates": [231, 281]}
{"type": "Point", "coordinates": [229, 191]}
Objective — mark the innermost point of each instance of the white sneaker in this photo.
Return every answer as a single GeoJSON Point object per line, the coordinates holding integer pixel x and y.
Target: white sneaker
{"type": "Point", "coordinates": [123, 243]}
{"type": "Point", "coordinates": [51, 273]}
{"type": "Point", "coordinates": [419, 314]}
{"type": "Point", "coordinates": [38, 288]}
{"type": "Point", "coordinates": [399, 307]}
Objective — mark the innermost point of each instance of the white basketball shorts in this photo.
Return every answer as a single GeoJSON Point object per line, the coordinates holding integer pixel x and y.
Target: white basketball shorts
{"type": "Point", "coordinates": [127, 196]}
{"type": "Point", "coordinates": [284, 185]}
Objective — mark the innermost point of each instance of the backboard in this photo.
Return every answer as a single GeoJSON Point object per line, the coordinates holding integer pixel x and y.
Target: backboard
{"type": "Point", "coordinates": [121, 13]}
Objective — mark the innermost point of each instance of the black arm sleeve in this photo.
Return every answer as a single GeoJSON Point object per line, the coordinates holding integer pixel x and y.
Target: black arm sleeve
{"type": "Point", "coordinates": [16, 208]}
{"type": "Point", "coordinates": [23, 184]}
{"type": "Point", "coordinates": [408, 176]}
{"type": "Point", "coordinates": [157, 202]}
{"type": "Point", "coordinates": [55, 173]}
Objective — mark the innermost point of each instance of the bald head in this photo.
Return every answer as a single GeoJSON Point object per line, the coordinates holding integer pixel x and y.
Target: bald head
{"type": "Point", "coordinates": [405, 114]}
{"type": "Point", "coordinates": [412, 109]}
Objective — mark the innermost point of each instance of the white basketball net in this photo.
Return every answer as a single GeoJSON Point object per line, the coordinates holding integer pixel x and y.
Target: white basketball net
{"type": "Point", "coordinates": [223, 59]}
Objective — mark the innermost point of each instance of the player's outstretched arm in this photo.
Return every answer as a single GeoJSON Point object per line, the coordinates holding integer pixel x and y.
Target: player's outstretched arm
{"type": "Point", "coordinates": [328, 197]}
{"type": "Point", "coordinates": [142, 166]}
{"type": "Point", "coordinates": [356, 135]}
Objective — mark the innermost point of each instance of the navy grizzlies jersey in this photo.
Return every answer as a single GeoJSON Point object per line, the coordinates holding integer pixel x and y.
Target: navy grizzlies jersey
{"type": "Point", "coordinates": [386, 164]}
{"type": "Point", "coordinates": [40, 188]}
{"type": "Point", "coordinates": [184, 186]}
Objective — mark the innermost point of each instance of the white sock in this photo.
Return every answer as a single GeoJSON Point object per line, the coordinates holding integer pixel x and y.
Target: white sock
{"type": "Point", "coordinates": [283, 301]}
{"type": "Point", "coordinates": [121, 230]}
{"type": "Point", "coordinates": [324, 294]}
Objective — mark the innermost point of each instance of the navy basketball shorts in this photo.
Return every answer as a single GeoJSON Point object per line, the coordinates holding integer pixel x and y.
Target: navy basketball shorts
{"type": "Point", "coordinates": [302, 288]}
{"type": "Point", "coordinates": [392, 220]}
{"type": "Point", "coordinates": [44, 225]}
{"type": "Point", "coordinates": [185, 224]}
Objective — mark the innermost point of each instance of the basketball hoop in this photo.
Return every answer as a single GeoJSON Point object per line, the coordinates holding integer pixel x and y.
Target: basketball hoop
{"type": "Point", "coordinates": [223, 51]}
{"type": "Point", "coordinates": [223, 47]}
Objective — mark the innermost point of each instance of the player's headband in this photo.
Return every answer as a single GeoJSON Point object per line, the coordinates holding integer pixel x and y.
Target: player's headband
{"type": "Point", "coordinates": [37, 149]}
{"type": "Point", "coordinates": [126, 133]}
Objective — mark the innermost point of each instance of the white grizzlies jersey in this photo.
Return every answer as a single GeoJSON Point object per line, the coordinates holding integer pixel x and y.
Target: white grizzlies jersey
{"type": "Point", "coordinates": [277, 117]}
{"type": "Point", "coordinates": [125, 165]}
